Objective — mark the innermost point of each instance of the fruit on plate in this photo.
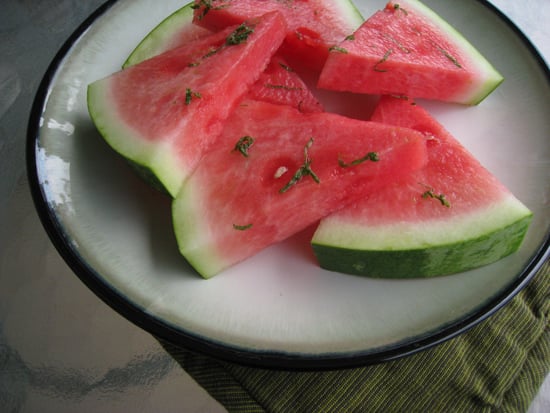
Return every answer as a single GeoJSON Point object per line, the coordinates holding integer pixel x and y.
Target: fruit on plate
{"type": "Point", "coordinates": [275, 171]}
{"type": "Point", "coordinates": [165, 112]}
{"type": "Point", "coordinates": [450, 216]}
{"type": "Point", "coordinates": [313, 25]}
{"type": "Point", "coordinates": [407, 49]}
{"type": "Point", "coordinates": [228, 129]}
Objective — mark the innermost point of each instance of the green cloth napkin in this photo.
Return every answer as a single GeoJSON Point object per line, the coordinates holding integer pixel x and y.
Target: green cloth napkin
{"type": "Point", "coordinates": [497, 366]}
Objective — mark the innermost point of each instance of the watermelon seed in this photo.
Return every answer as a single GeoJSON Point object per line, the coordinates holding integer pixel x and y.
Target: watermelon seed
{"type": "Point", "coordinates": [350, 37]}
{"type": "Point", "coordinates": [281, 170]}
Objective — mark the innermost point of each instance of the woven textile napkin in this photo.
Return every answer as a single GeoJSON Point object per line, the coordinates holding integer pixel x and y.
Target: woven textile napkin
{"type": "Point", "coordinates": [497, 366]}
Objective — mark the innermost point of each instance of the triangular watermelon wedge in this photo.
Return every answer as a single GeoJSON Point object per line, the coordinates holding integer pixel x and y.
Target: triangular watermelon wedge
{"type": "Point", "coordinates": [165, 113]}
{"type": "Point", "coordinates": [407, 49]}
{"type": "Point", "coordinates": [276, 171]}
{"type": "Point", "coordinates": [450, 216]}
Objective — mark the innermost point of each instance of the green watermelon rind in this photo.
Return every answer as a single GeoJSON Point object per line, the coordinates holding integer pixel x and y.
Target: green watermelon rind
{"type": "Point", "coordinates": [148, 176]}
{"type": "Point", "coordinates": [154, 42]}
{"type": "Point", "coordinates": [484, 69]}
{"type": "Point", "coordinates": [151, 45]}
{"type": "Point", "coordinates": [425, 248]}
{"type": "Point", "coordinates": [150, 159]}
{"type": "Point", "coordinates": [189, 229]}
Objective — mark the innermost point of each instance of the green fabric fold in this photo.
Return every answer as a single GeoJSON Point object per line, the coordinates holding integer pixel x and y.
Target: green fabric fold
{"type": "Point", "coordinates": [497, 366]}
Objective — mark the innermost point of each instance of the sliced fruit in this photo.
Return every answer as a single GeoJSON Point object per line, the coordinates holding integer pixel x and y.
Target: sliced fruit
{"type": "Point", "coordinates": [407, 49]}
{"type": "Point", "coordinates": [275, 171]}
{"type": "Point", "coordinates": [165, 113]}
{"type": "Point", "coordinates": [450, 216]}
{"type": "Point", "coordinates": [313, 26]}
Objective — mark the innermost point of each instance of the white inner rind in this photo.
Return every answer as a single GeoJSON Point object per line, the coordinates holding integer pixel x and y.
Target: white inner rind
{"type": "Point", "coordinates": [159, 39]}
{"type": "Point", "coordinates": [349, 14]}
{"type": "Point", "coordinates": [159, 157]}
{"type": "Point", "coordinates": [342, 232]}
{"type": "Point", "coordinates": [193, 232]}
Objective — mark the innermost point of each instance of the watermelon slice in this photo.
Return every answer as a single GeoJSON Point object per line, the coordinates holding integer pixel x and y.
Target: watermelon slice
{"type": "Point", "coordinates": [279, 83]}
{"type": "Point", "coordinates": [313, 25]}
{"type": "Point", "coordinates": [165, 112]}
{"type": "Point", "coordinates": [448, 217]}
{"type": "Point", "coordinates": [407, 49]}
{"type": "Point", "coordinates": [275, 171]}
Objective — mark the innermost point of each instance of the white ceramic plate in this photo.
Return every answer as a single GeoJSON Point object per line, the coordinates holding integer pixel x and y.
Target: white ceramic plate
{"type": "Point", "coordinates": [277, 309]}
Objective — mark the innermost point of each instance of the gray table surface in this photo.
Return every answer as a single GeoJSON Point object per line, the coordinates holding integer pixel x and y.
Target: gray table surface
{"type": "Point", "coordinates": [61, 348]}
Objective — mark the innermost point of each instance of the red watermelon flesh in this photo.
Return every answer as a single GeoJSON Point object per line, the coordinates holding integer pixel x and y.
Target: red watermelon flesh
{"type": "Point", "coordinates": [165, 112]}
{"type": "Point", "coordinates": [406, 49]}
{"type": "Point", "coordinates": [450, 216]}
{"type": "Point", "coordinates": [313, 26]}
{"type": "Point", "coordinates": [237, 203]}
{"type": "Point", "coordinates": [451, 171]}
{"type": "Point", "coordinates": [279, 83]}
